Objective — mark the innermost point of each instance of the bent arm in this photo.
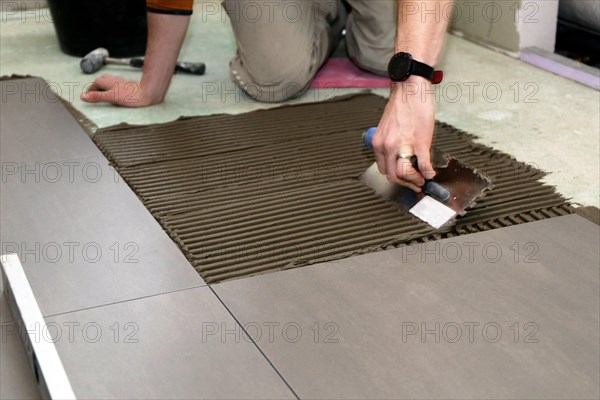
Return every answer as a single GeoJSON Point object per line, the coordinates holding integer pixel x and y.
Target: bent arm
{"type": "Point", "coordinates": [409, 117]}
{"type": "Point", "coordinates": [422, 29]}
{"type": "Point", "coordinates": [165, 37]}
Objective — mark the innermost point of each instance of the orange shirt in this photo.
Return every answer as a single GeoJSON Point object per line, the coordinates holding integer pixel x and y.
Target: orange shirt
{"type": "Point", "coordinates": [177, 7]}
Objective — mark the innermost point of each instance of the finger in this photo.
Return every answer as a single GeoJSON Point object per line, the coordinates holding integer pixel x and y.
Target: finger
{"type": "Point", "coordinates": [410, 185]}
{"type": "Point", "coordinates": [425, 166]}
{"type": "Point", "coordinates": [390, 166]}
{"type": "Point", "coordinates": [95, 87]}
{"type": "Point", "coordinates": [380, 161]}
{"type": "Point", "coordinates": [379, 152]}
{"type": "Point", "coordinates": [406, 172]}
{"type": "Point", "coordinates": [98, 86]}
{"type": "Point", "coordinates": [108, 81]}
{"type": "Point", "coordinates": [104, 82]}
{"type": "Point", "coordinates": [391, 159]}
{"type": "Point", "coordinates": [391, 163]}
{"type": "Point", "coordinates": [99, 96]}
{"type": "Point", "coordinates": [403, 173]}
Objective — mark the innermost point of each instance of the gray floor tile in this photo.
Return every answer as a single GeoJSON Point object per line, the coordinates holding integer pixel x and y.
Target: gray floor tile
{"type": "Point", "coordinates": [165, 346]}
{"type": "Point", "coordinates": [85, 239]}
{"type": "Point", "coordinates": [17, 380]}
{"type": "Point", "coordinates": [35, 127]}
{"type": "Point", "coordinates": [371, 314]}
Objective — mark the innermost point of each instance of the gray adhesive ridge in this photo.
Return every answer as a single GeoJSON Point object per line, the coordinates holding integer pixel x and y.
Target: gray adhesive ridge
{"type": "Point", "coordinates": [276, 189]}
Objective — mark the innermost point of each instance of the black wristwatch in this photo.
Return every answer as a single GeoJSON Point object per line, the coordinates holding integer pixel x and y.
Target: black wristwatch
{"type": "Point", "coordinates": [402, 65]}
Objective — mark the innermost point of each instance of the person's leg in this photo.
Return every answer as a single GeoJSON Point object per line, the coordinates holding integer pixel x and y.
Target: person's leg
{"type": "Point", "coordinates": [371, 33]}
{"type": "Point", "coordinates": [281, 44]}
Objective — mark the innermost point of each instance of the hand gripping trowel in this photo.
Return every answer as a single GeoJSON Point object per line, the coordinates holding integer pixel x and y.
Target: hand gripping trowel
{"type": "Point", "coordinates": [456, 187]}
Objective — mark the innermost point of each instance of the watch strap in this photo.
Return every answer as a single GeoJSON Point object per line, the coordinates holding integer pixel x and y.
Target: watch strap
{"type": "Point", "coordinates": [424, 70]}
{"type": "Point", "coordinates": [414, 67]}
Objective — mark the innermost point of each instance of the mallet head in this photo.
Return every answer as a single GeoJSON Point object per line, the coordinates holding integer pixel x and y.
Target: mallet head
{"type": "Point", "coordinates": [94, 60]}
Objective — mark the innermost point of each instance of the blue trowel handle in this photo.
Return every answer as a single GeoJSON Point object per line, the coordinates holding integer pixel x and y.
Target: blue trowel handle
{"type": "Point", "coordinates": [431, 188]}
{"type": "Point", "coordinates": [368, 137]}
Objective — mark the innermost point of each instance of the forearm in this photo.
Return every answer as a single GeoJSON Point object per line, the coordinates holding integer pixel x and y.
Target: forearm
{"type": "Point", "coordinates": [420, 31]}
{"type": "Point", "coordinates": [408, 118]}
{"type": "Point", "coordinates": [166, 33]}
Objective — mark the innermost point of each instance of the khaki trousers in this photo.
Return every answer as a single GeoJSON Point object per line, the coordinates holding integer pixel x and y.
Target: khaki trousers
{"type": "Point", "coordinates": [281, 44]}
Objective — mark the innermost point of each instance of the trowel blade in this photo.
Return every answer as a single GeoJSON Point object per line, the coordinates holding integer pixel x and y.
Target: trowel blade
{"type": "Point", "coordinates": [465, 185]}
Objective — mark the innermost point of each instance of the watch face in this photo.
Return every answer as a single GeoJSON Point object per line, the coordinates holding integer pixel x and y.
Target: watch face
{"type": "Point", "coordinates": [399, 68]}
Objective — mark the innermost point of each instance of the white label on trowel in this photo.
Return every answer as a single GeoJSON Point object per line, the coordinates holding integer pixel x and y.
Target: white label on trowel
{"type": "Point", "coordinates": [432, 211]}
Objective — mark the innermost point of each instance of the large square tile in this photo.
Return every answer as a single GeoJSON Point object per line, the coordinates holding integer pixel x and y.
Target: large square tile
{"type": "Point", "coordinates": [174, 345]}
{"type": "Point", "coordinates": [507, 313]}
{"type": "Point", "coordinates": [35, 127]}
{"type": "Point", "coordinates": [84, 238]}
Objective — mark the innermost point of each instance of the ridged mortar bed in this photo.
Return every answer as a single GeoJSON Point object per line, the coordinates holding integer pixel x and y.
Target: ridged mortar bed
{"type": "Point", "coordinates": [275, 189]}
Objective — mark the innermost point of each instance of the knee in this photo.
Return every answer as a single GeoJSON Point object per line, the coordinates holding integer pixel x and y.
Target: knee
{"type": "Point", "coordinates": [371, 54]}
{"type": "Point", "coordinates": [371, 35]}
{"type": "Point", "coordinates": [273, 81]}
{"type": "Point", "coordinates": [374, 60]}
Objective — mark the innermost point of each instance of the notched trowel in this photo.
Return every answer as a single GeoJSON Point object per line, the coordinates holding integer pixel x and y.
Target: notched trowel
{"type": "Point", "coordinates": [456, 187]}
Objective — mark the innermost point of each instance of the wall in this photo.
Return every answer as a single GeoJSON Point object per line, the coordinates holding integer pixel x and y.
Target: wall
{"type": "Point", "coordinates": [509, 25]}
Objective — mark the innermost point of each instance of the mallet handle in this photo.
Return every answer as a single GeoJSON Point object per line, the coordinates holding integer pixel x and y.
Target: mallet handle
{"type": "Point", "coordinates": [181, 66]}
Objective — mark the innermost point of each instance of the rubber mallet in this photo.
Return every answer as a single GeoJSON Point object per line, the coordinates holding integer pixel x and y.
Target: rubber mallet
{"type": "Point", "coordinates": [100, 57]}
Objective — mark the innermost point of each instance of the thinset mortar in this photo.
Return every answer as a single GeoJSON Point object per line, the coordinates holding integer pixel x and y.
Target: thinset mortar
{"type": "Point", "coordinates": [275, 189]}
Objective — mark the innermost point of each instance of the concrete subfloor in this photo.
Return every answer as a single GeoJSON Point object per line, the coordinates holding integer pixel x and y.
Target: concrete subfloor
{"type": "Point", "coordinates": [540, 118]}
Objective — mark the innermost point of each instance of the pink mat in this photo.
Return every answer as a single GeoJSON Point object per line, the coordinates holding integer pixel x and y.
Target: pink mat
{"type": "Point", "coordinates": [342, 73]}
